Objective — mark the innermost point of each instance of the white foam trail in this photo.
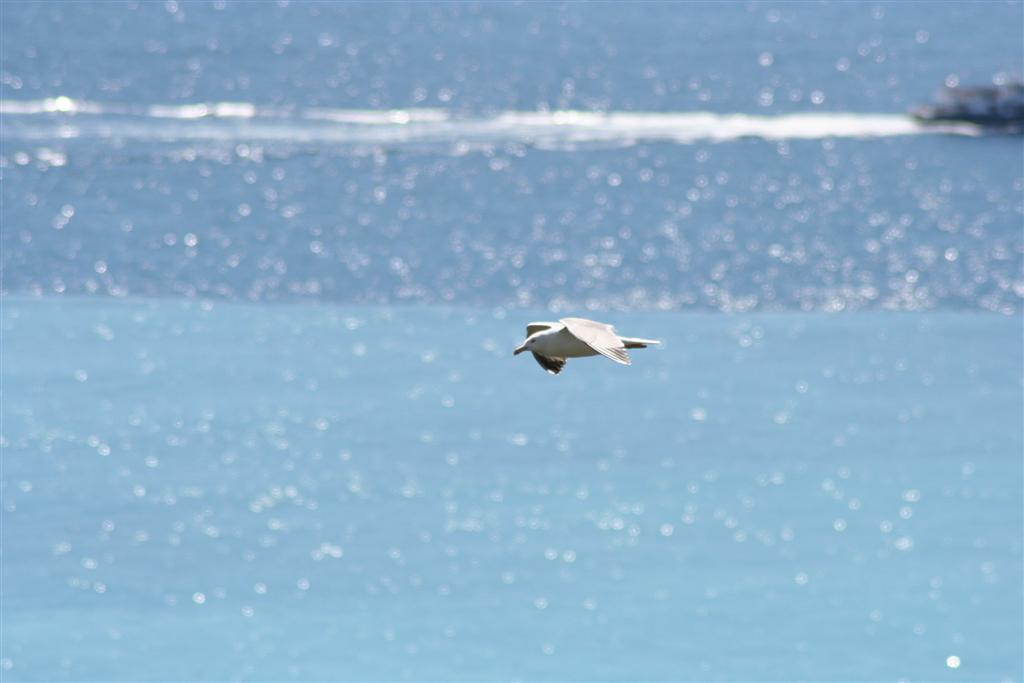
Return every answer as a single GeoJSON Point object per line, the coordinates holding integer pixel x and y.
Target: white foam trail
{"type": "Point", "coordinates": [373, 117]}
{"type": "Point", "coordinates": [242, 110]}
{"type": "Point", "coordinates": [51, 105]}
{"type": "Point", "coordinates": [63, 117]}
{"type": "Point", "coordinates": [690, 127]}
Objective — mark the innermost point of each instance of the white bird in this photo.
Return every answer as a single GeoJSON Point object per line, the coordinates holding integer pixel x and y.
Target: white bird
{"type": "Point", "coordinates": [552, 343]}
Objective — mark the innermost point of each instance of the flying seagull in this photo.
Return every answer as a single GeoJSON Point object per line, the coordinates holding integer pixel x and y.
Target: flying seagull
{"type": "Point", "coordinates": [552, 343]}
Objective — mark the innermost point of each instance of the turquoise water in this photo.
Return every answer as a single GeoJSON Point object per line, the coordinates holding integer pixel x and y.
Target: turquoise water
{"type": "Point", "coordinates": [264, 265]}
{"type": "Point", "coordinates": [322, 492]}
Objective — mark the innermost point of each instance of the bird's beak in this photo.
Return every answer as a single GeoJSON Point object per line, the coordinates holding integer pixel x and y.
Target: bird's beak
{"type": "Point", "coordinates": [519, 350]}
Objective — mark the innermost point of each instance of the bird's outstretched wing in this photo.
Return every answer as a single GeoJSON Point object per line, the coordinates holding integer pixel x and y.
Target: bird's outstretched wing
{"type": "Point", "coordinates": [552, 365]}
{"type": "Point", "coordinates": [537, 327]}
{"type": "Point", "coordinates": [598, 336]}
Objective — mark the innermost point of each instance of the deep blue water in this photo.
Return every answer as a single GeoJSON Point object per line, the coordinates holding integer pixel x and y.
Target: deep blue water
{"type": "Point", "coordinates": [863, 57]}
{"type": "Point", "coordinates": [264, 266]}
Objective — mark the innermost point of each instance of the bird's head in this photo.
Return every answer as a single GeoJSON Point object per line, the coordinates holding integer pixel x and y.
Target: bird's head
{"type": "Point", "coordinates": [525, 346]}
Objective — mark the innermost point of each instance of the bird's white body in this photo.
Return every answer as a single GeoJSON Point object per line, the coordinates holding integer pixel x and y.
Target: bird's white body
{"type": "Point", "coordinates": [552, 343]}
{"type": "Point", "coordinates": [558, 342]}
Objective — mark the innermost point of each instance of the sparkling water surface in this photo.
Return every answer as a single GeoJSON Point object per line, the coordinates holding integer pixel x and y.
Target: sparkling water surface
{"type": "Point", "coordinates": [323, 492]}
{"type": "Point", "coordinates": [264, 267]}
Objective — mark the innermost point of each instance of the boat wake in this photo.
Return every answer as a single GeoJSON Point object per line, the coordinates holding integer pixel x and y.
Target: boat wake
{"type": "Point", "coordinates": [66, 118]}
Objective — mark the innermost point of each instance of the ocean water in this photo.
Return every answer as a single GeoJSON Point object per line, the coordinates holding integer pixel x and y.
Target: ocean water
{"type": "Point", "coordinates": [263, 268]}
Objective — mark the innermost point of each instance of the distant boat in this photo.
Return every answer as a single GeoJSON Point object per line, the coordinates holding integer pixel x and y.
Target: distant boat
{"type": "Point", "coordinates": [1000, 106]}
